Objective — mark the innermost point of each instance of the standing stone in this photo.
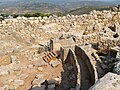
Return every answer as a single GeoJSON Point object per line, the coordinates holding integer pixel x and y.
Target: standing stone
{"type": "Point", "coordinates": [14, 59]}
{"type": "Point", "coordinates": [40, 69]}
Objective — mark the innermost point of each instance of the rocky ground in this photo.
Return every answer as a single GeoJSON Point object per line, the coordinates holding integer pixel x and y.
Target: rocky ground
{"type": "Point", "coordinates": [23, 41]}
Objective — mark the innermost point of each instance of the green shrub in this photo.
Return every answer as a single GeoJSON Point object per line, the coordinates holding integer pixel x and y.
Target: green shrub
{"type": "Point", "coordinates": [15, 15]}
{"type": "Point", "coordinates": [28, 15]}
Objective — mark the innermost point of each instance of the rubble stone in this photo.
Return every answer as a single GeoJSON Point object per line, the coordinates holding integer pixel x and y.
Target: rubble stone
{"type": "Point", "coordinates": [38, 81]}
{"type": "Point", "coordinates": [39, 76]}
{"type": "Point", "coordinates": [42, 87]}
{"type": "Point", "coordinates": [18, 82]}
{"type": "Point", "coordinates": [40, 69]}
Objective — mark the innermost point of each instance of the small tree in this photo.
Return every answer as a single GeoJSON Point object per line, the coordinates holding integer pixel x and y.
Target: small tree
{"type": "Point", "coordinates": [15, 15]}
{"type": "Point", "coordinates": [1, 18]}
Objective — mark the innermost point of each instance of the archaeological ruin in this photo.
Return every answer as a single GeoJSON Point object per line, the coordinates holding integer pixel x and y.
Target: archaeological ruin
{"type": "Point", "coordinates": [73, 52]}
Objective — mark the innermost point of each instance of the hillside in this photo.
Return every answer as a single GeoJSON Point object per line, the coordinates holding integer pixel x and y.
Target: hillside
{"type": "Point", "coordinates": [87, 9]}
{"type": "Point", "coordinates": [47, 6]}
{"type": "Point", "coordinates": [28, 7]}
{"type": "Point", "coordinates": [74, 5]}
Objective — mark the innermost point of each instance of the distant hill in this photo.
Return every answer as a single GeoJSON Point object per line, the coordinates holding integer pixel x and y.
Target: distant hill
{"type": "Point", "coordinates": [75, 4]}
{"type": "Point", "coordinates": [87, 9]}
{"type": "Point", "coordinates": [30, 6]}
{"type": "Point", "coordinates": [50, 6]}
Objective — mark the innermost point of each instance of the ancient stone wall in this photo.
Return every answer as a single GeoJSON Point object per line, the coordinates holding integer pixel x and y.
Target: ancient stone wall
{"type": "Point", "coordinates": [71, 58]}
{"type": "Point", "coordinates": [88, 71]}
{"type": "Point", "coordinates": [84, 69]}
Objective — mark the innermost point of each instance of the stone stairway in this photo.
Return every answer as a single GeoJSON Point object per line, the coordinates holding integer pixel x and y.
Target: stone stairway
{"type": "Point", "coordinates": [51, 58]}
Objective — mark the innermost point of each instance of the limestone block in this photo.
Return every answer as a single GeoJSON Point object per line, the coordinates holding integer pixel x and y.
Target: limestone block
{"type": "Point", "coordinates": [110, 81]}
{"type": "Point", "coordinates": [18, 82]}
{"type": "Point", "coordinates": [39, 76]}
{"type": "Point", "coordinates": [54, 63]}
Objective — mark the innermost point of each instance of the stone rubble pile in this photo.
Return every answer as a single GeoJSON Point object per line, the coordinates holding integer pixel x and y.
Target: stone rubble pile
{"type": "Point", "coordinates": [24, 40]}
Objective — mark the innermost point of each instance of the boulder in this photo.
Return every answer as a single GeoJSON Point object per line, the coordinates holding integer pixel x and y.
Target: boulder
{"type": "Point", "coordinates": [110, 81]}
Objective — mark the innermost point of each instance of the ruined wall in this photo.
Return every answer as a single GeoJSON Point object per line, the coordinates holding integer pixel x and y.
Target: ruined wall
{"type": "Point", "coordinates": [37, 29]}
{"type": "Point", "coordinates": [71, 58]}
{"type": "Point", "coordinates": [84, 69]}
{"type": "Point", "coordinates": [88, 70]}
{"type": "Point", "coordinates": [64, 51]}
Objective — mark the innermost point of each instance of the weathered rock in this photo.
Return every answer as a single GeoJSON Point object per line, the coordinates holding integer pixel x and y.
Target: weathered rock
{"type": "Point", "coordinates": [116, 68]}
{"type": "Point", "coordinates": [108, 16]}
{"type": "Point", "coordinates": [14, 59]}
{"type": "Point", "coordinates": [4, 72]}
{"type": "Point", "coordinates": [30, 66]}
{"type": "Point", "coordinates": [23, 76]}
{"type": "Point", "coordinates": [4, 60]}
{"type": "Point", "coordinates": [10, 80]}
{"type": "Point", "coordinates": [39, 76]}
{"type": "Point", "coordinates": [18, 82]}
{"type": "Point", "coordinates": [42, 87]}
{"type": "Point", "coordinates": [55, 63]}
{"type": "Point", "coordinates": [52, 81]}
{"type": "Point", "coordinates": [51, 87]}
{"type": "Point", "coordinates": [110, 81]}
{"type": "Point", "coordinates": [38, 81]}
{"type": "Point", "coordinates": [40, 69]}
{"type": "Point", "coordinates": [40, 64]}
{"type": "Point", "coordinates": [4, 87]}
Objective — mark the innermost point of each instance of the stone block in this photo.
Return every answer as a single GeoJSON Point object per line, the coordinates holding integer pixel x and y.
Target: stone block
{"type": "Point", "coordinates": [18, 82]}
{"type": "Point", "coordinates": [55, 63]}
{"type": "Point", "coordinates": [39, 76]}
